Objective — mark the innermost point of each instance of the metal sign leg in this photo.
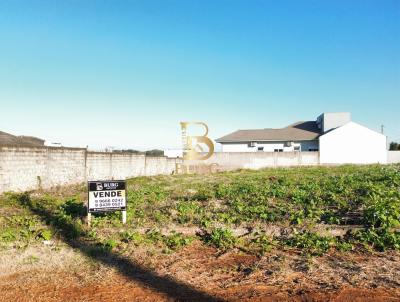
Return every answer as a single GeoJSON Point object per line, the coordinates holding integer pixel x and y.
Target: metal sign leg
{"type": "Point", "coordinates": [124, 217]}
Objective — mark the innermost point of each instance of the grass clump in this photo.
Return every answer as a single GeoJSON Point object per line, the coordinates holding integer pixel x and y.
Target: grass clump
{"type": "Point", "coordinates": [220, 238]}
{"type": "Point", "coordinates": [259, 243]}
{"type": "Point", "coordinates": [310, 243]}
{"type": "Point", "coordinates": [176, 241]}
{"type": "Point", "coordinates": [380, 239]}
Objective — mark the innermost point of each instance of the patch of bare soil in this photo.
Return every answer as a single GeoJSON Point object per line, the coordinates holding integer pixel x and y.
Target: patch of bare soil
{"type": "Point", "coordinates": [232, 276]}
{"type": "Point", "coordinates": [28, 287]}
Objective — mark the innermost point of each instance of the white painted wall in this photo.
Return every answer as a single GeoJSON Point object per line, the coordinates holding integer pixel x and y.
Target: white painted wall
{"type": "Point", "coordinates": [173, 153]}
{"type": "Point", "coordinates": [257, 160]}
{"type": "Point", "coordinates": [393, 157]}
{"type": "Point", "coordinates": [331, 120]}
{"type": "Point", "coordinates": [268, 146]}
{"type": "Point", "coordinates": [236, 148]}
{"type": "Point", "coordinates": [352, 143]}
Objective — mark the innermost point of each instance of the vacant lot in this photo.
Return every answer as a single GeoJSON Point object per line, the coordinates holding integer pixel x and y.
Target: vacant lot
{"type": "Point", "coordinates": [297, 234]}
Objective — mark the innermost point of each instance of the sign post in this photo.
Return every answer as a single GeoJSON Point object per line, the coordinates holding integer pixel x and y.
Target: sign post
{"type": "Point", "coordinates": [106, 196]}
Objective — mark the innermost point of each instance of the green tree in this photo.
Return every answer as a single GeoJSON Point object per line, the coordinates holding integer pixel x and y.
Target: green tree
{"type": "Point", "coordinates": [394, 146]}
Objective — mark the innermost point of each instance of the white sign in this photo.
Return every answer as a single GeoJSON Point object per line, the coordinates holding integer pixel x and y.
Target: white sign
{"type": "Point", "coordinates": [106, 196]}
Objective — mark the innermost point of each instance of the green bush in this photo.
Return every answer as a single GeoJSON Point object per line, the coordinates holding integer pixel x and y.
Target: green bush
{"type": "Point", "coordinates": [312, 243]}
{"type": "Point", "coordinates": [177, 240]}
{"type": "Point", "coordinates": [187, 211]}
{"type": "Point", "coordinates": [45, 234]}
{"type": "Point", "coordinates": [382, 212]}
{"type": "Point", "coordinates": [220, 238]}
{"type": "Point", "coordinates": [263, 242]}
{"type": "Point", "coordinates": [7, 236]}
{"type": "Point", "coordinates": [134, 237]}
{"type": "Point", "coordinates": [109, 245]}
{"type": "Point", "coordinates": [380, 239]}
{"type": "Point", "coordinates": [74, 208]}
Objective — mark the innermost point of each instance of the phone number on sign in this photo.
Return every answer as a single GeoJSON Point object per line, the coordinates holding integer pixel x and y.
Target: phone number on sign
{"type": "Point", "coordinates": [109, 202]}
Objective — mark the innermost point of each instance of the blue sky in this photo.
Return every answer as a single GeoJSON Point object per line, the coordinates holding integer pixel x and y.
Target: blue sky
{"type": "Point", "coordinates": [125, 73]}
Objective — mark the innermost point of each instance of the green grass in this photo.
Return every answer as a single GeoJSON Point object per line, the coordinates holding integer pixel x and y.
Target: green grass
{"type": "Point", "coordinates": [295, 199]}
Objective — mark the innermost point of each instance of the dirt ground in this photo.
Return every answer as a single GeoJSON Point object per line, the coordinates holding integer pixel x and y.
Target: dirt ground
{"type": "Point", "coordinates": [198, 273]}
{"type": "Point", "coordinates": [22, 287]}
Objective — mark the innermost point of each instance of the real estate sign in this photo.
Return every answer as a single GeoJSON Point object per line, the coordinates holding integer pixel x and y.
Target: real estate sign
{"type": "Point", "coordinates": [106, 196]}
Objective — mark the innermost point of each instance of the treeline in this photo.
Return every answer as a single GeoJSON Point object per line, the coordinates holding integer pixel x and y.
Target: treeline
{"type": "Point", "coordinates": [394, 146]}
{"type": "Point", "coordinates": [154, 152]}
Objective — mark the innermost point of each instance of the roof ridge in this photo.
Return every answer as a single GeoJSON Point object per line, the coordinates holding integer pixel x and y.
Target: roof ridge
{"type": "Point", "coordinates": [301, 130]}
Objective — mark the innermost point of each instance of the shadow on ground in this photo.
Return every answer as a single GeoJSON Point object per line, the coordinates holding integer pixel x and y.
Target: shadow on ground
{"type": "Point", "coordinates": [73, 235]}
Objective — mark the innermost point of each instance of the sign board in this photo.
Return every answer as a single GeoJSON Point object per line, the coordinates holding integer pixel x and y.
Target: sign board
{"type": "Point", "coordinates": [106, 196]}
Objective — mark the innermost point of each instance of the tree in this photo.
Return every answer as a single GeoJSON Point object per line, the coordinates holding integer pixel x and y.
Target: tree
{"type": "Point", "coordinates": [394, 146]}
{"type": "Point", "coordinates": [155, 152]}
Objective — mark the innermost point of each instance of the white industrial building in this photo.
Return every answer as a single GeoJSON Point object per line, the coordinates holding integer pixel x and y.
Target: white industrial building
{"type": "Point", "coordinates": [334, 135]}
{"type": "Point", "coordinates": [173, 153]}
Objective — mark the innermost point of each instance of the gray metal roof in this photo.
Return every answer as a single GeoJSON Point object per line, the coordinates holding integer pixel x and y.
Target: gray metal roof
{"type": "Point", "coordinates": [295, 132]}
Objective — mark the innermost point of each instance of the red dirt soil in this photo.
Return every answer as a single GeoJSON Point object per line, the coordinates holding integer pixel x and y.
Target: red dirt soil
{"type": "Point", "coordinates": [21, 288]}
{"type": "Point", "coordinates": [232, 276]}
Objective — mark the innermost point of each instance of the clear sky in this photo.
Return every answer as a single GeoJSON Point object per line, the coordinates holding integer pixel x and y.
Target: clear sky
{"type": "Point", "coordinates": [125, 73]}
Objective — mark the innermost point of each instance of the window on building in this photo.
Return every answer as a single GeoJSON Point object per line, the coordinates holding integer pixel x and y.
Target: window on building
{"type": "Point", "coordinates": [260, 148]}
{"type": "Point", "coordinates": [278, 150]}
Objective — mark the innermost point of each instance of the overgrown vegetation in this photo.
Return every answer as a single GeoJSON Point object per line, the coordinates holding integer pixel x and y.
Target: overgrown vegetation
{"type": "Point", "coordinates": [220, 238]}
{"type": "Point", "coordinates": [298, 201]}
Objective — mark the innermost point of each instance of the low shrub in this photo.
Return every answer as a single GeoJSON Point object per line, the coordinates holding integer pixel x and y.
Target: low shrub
{"type": "Point", "coordinates": [311, 243]}
{"type": "Point", "coordinates": [220, 238]}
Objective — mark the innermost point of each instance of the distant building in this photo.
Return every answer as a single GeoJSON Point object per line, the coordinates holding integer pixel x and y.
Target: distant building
{"type": "Point", "coordinates": [334, 135]}
{"type": "Point", "coordinates": [9, 139]}
{"type": "Point", "coordinates": [300, 136]}
{"type": "Point", "coordinates": [173, 153]}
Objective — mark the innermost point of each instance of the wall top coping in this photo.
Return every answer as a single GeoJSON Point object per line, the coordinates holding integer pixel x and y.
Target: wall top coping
{"type": "Point", "coordinates": [2, 146]}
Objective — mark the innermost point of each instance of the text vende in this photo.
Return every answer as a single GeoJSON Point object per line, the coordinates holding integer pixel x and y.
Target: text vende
{"type": "Point", "coordinates": [102, 194]}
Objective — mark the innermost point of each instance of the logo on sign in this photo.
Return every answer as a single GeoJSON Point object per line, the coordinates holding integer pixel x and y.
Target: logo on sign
{"type": "Point", "coordinates": [198, 147]}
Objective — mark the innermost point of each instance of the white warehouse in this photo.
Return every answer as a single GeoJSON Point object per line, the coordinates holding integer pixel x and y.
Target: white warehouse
{"type": "Point", "coordinates": [334, 135]}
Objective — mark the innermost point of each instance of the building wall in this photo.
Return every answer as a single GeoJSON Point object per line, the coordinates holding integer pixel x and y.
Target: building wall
{"type": "Point", "coordinates": [258, 160]}
{"type": "Point", "coordinates": [393, 157]}
{"type": "Point", "coordinates": [28, 168]}
{"type": "Point", "coordinates": [352, 143]}
{"type": "Point", "coordinates": [331, 120]}
{"type": "Point", "coordinates": [173, 153]}
{"type": "Point", "coordinates": [268, 146]}
{"type": "Point", "coordinates": [239, 147]}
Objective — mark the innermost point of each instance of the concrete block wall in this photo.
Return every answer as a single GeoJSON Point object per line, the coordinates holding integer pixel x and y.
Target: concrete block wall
{"type": "Point", "coordinates": [160, 165]}
{"type": "Point", "coordinates": [258, 160]}
{"type": "Point", "coordinates": [21, 168]}
{"type": "Point", "coordinates": [100, 165]}
{"type": "Point", "coordinates": [29, 168]}
{"type": "Point", "coordinates": [63, 166]}
{"type": "Point", "coordinates": [127, 165]}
